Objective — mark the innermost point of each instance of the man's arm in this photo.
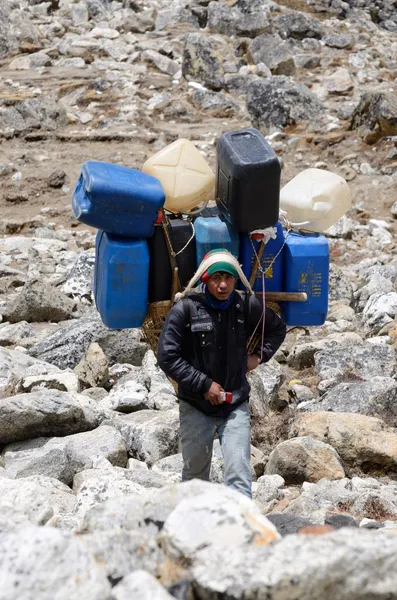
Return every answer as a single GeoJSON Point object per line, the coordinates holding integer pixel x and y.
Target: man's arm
{"type": "Point", "coordinates": [169, 354]}
{"type": "Point", "coordinates": [275, 329]}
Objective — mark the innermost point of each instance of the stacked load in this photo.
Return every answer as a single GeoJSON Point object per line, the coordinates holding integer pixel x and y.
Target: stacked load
{"type": "Point", "coordinates": [152, 237]}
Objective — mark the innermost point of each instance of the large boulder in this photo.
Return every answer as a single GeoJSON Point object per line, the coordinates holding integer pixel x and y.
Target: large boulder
{"type": "Point", "coordinates": [215, 519]}
{"type": "Point", "coordinates": [376, 397]}
{"type": "Point", "coordinates": [63, 457]}
{"type": "Point", "coordinates": [67, 346]}
{"type": "Point", "coordinates": [365, 361]}
{"type": "Point", "coordinates": [303, 355]}
{"type": "Point", "coordinates": [375, 116]}
{"type": "Point", "coordinates": [32, 500]}
{"type": "Point", "coordinates": [80, 279]}
{"type": "Point", "coordinates": [202, 60]}
{"type": "Point", "coordinates": [140, 584]}
{"type": "Point", "coordinates": [16, 366]}
{"type": "Point", "coordinates": [45, 563]}
{"type": "Point", "coordinates": [149, 435]}
{"type": "Point", "coordinates": [380, 309]}
{"type": "Point", "coordinates": [38, 302]}
{"type": "Point", "coordinates": [277, 102]}
{"type": "Point", "coordinates": [46, 413]}
{"type": "Point", "coordinates": [358, 439]}
{"type": "Point", "coordinates": [42, 112]}
{"type": "Point", "coordinates": [347, 564]}
{"type": "Point", "coordinates": [298, 25]}
{"type": "Point", "coordinates": [304, 459]}
{"type": "Point", "coordinates": [272, 51]}
{"type": "Point", "coordinates": [231, 21]}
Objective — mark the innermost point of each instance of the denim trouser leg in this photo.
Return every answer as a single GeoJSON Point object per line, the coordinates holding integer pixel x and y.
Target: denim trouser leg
{"type": "Point", "coordinates": [197, 435]}
{"type": "Point", "coordinates": [234, 436]}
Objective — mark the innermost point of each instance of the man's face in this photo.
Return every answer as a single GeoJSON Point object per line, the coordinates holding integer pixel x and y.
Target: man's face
{"type": "Point", "coordinates": [220, 285]}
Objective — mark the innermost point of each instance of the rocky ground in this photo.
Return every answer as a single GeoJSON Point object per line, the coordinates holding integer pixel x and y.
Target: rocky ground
{"type": "Point", "coordinates": [90, 494]}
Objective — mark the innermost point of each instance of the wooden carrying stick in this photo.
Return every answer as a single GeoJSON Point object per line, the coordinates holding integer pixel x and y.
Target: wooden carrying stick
{"type": "Point", "coordinates": [283, 296]}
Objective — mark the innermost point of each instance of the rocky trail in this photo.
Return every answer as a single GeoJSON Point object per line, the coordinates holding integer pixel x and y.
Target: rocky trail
{"type": "Point", "coordinates": [91, 503]}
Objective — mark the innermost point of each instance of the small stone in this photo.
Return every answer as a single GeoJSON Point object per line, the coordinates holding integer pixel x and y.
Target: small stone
{"type": "Point", "coordinates": [336, 40]}
{"type": "Point", "coordinates": [16, 197]}
{"type": "Point", "coordinates": [57, 178]}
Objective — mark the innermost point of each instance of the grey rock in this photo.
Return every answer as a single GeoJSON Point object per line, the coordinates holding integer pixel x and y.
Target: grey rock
{"type": "Point", "coordinates": [148, 434]}
{"type": "Point", "coordinates": [62, 458]}
{"type": "Point", "coordinates": [230, 21]}
{"type": "Point", "coordinates": [15, 334]}
{"type": "Point", "coordinates": [161, 62]}
{"type": "Point", "coordinates": [46, 413]}
{"type": "Point", "coordinates": [74, 573]}
{"type": "Point", "coordinates": [32, 61]}
{"type": "Point", "coordinates": [15, 366]}
{"type": "Point", "coordinates": [16, 27]}
{"type": "Point", "coordinates": [339, 40]}
{"type": "Point", "coordinates": [271, 50]}
{"type": "Point", "coordinates": [375, 116]}
{"type": "Point", "coordinates": [108, 484]}
{"type": "Point", "coordinates": [328, 571]}
{"type": "Point", "coordinates": [57, 179]}
{"type": "Point", "coordinates": [304, 459]}
{"type": "Point", "coordinates": [93, 369]}
{"type": "Point", "coordinates": [298, 25]}
{"type": "Point", "coordinates": [376, 397]}
{"type": "Point", "coordinates": [128, 396]}
{"type": "Point", "coordinates": [363, 360]}
{"type": "Point", "coordinates": [340, 82]}
{"type": "Point", "coordinates": [219, 517]}
{"type": "Point", "coordinates": [279, 101]}
{"type": "Point", "coordinates": [267, 489]}
{"type": "Point", "coordinates": [32, 500]}
{"type": "Point", "coordinates": [239, 83]}
{"type": "Point", "coordinates": [35, 113]}
{"type": "Point", "coordinates": [340, 288]}
{"type": "Point", "coordinates": [121, 552]}
{"type": "Point", "coordinates": [287, 524]}
{"type": "Point", "coordinates": [140, 584]}
{"type": "Point", "coordinates": [176, 13]}
{"type": "Point", "coordinates": [303, 355]}
{"type": "Point", "coordinates": [95, 393]}
{"type": "Point", "coordinates": [79, 281]}
{"type": "Point", "coordinates": [306, 61]}
{"type": "Point", "coordinates": [62, 381]}
{"type": "Point", "coordinates": [202, 61]}
{"type": "Point", "coordinates": [67, 346]}
{"type": "Point", "coordinates": [377, 285]}
{"type": "Point", "coordinates": [216, 104]}
{"type": "Point", "coordinates": [300, 393]}
{"type": "Point", "coordinates": [39, 301]}
{"type": "Point", "coordinates": [380, 309]}
{"type": "Point", "coordinates": [339, 520]}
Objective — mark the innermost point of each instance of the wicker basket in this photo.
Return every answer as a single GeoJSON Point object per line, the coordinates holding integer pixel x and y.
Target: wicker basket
{"type": "Point", "coordinates": [257, 337]}
{"type": "Point", "coordinates": [154, 321]}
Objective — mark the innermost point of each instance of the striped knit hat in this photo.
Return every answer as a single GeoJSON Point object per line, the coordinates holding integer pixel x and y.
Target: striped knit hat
{"type": "Point", "coordinates": [214, 259]}
{"type": "Point", "coordinates": [220, 266]}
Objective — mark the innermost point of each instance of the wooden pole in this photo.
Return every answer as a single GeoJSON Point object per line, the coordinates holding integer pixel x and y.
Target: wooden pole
{"type": "Point", "coordinates": [283, 296]}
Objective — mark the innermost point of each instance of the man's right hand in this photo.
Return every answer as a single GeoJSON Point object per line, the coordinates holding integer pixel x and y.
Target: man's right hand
{"type": "Point", "coordinates": [214, 394]}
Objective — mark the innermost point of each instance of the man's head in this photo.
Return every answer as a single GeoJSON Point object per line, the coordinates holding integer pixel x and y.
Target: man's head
{"type": "Point", "coordinates": [220, 277]}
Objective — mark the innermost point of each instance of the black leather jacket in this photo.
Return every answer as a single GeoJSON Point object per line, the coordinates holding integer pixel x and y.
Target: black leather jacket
{"type": "Point", "coordinates": [199, 345]}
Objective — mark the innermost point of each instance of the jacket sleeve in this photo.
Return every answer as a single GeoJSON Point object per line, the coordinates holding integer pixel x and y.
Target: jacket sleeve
{"type": "Point", "coordinates": [169, 355]}
{"type": "Point", "coordinates": [275, 329]}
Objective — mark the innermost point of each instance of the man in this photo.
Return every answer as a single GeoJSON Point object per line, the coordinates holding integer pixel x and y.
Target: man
{"type": "Point", "coordinates": [203, 348]}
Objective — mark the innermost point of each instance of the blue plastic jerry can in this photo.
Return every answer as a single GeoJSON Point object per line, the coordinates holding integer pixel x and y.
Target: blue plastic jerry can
{"type": "Point", "coordinates": [121, 280]}
{"type": "Point", "coordinates": [117, 199]}
{"type": "Point", "coordinates": [272, 266]}
{"type": "Point", "coordinates": [306, 269]}
{"type": "Point", "coordinates": [212, 233]}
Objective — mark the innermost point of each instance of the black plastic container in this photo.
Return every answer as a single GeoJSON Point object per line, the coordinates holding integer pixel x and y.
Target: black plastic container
{"type": "Point", "coordinates": [247, 180]}
{"type": "Point", "coordinates": [160, 271]}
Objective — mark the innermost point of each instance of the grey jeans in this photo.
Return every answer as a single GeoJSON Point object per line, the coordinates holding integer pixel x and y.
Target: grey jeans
{"type": "Point", "coordinates": [197, 436]}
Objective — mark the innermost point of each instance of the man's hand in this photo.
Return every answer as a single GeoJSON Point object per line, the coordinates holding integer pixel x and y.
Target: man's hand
{"type": "Point", "coordinates": [253, 361]}
{"type": "Point", "coordinates": [214, 394]}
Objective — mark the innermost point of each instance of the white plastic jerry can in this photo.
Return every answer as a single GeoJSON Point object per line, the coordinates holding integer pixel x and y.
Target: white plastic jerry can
{"type": "Point", "coordinates": [186, 177]}
{"type": "Point", "coordinates": [315, 199]}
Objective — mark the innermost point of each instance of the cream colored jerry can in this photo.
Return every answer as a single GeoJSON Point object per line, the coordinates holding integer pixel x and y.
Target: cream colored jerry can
{"type": "Point", "coordinates": [186, 177]}
{"type": "Point", "coordinates": [315, 199]}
